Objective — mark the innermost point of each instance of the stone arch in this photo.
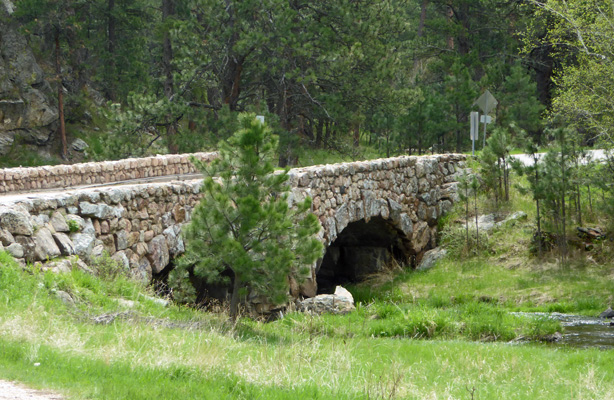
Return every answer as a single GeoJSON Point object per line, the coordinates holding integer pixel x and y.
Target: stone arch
{"type": "Point", "coordinates": [381, 234]}
{"type": "Point", "coordinates": [362, 248]}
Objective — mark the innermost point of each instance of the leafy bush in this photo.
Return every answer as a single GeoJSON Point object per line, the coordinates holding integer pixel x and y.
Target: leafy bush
{"type": "Point", "coordinates": [73, 226]}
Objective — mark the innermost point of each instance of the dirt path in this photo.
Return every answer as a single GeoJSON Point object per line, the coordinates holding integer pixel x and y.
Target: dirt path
{"type": "Point", "coordinates": [15, 391]}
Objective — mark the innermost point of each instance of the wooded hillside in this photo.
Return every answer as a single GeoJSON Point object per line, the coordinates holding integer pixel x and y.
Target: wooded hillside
{"type": "Point", "coordinates": [131, 77]}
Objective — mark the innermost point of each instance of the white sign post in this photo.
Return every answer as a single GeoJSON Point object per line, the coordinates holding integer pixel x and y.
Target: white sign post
{"type": "Point", "coordinates": [485, 119]}
{"type": "Point", "coordinates": [487, 103]}
{"type": "Point", "coordinates": [474, 130]}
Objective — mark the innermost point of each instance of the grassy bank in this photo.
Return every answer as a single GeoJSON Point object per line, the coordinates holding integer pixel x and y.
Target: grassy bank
{"type": "Point", "coordinates": [99, 347]}
{"type": "Point", "coordinates": [449, 332]}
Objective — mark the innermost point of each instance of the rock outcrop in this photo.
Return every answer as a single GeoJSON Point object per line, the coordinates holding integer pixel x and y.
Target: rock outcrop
{"type": "Point", "coordinates": [27, 111]}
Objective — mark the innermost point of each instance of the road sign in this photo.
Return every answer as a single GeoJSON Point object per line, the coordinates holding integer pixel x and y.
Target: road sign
{"type": "Point", "coordinates": [474, 125]}
{"type": "Point", "coordinates": [486, 102]}
{"type": "Point", "coordinates": [474, 130]}
{"type": "Point", "coordinates": [485, 119]}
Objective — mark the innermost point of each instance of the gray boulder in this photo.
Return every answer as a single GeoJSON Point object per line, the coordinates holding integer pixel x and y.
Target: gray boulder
{"type": "Point", "coordinates": [6, 238]}
{"type": "Point", "coordinates": [158, 254]}
{"type": "Point", "coordinates": [64, 297]}
{"type": "Point", "coordinates": [66, 246]}
{"type": "Point", "coordinates": [83, 244]}
{"type": "Point", "coordinates": [59, 222]}
{"type": "Point", "coordinates": [431, 257]}
{"type": "Point", "coordinates": [341, 302]}
{"type": "Point", "coordinates": [121, 259]}
{"type": "Point", "coordinates": [609, 313]}
{"type": "Point", "coordinates": [77, 221]}
{"type": "Point", "coordinates": [485, 222]}
{"type": "Point", "coordinates": [58, 266]}
{"type": "Point", "coordinates": [44, 246]}
{"type": "Point", "coordinates": [6, 142]}
{"type": "Point", "coordinates": [16, 220]}
{"type": "Point", "coordinates": [15, 249]}
{"type": "Point", "coordinates": [79, 145]}
{"type": "Point", "coordinates": [100, 211]}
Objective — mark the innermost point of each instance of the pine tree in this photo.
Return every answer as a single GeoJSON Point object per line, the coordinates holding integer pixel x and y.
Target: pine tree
{"type": "Point", "coordinates": [520, 105]}
{"type": "Point", "coordinates": [494, 163]}
{"type": "Point", "coordinates": [244, 223]}
{"type": "Point", "coordinates": [537, 186]}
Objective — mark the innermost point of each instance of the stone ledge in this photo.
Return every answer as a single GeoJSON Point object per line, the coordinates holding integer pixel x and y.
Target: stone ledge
{"type": "Point", "coordinates": [62, 176]}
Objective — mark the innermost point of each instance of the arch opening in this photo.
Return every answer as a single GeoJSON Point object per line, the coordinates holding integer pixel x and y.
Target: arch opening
{"type": "Point", "coordinates": [361, 249]}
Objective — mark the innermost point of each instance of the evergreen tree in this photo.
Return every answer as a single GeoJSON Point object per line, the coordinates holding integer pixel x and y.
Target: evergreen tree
{"type": "Point", "coordinates": [519, 103]}
{"type": "Point", "coordinates": [495, 163]}
{"type": "Point", "coordinates": [244, 223]}
{"type": "Point", "coordinates": [557, 172]}
{"type": "Point", "coordinates": [537, 187]}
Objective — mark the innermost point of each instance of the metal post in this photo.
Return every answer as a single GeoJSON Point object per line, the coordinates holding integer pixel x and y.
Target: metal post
{"type": "Point", "coordinates": [484, 139]}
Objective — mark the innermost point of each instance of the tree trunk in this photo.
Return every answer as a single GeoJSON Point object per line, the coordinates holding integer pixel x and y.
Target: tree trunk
{"type": "Point", "coordinates": [539, 225]}
{"type": "Point", "coordinates": [111, 39]}
{"type": "Point", "coordinates": [319, 133]}
{"type": "Point", "coordinates": [539, 229]}
{"type": "Point", "coordinates": [506, 180]}
{"type": "Point", "coordinates": [168, 10]}
{"type": "Point", "coordinates": [477, 229]}
{"type": "Point", "coordinates": [590, 200]}
{"type": "Point", "coordinates": [58, 71]}
{"type": "Point", "coordinates": [422, 18]}
{"type": "Point", "coordinates": [356, 134]}
{"type": "Point", "coordinates": [234, 299]}
{"type": "Point", "coordinates": [327, 135]}
{"type": "Point", "coordinates": [563, 248]}
{"type": "Point", "coordinates": [450, 15]}
{"type": "Point", "coordinates": [467, 214]}
{"type": "Point", "coordinates": [232, 82]}
{"type": "Point", "coordinates": [420, 143]}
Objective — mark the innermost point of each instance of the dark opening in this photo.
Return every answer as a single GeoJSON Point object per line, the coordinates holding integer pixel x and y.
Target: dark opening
{"type": "Point", "coordinates": [362, 248]}
{"type": "Point", "coordinates": [206, 293]}
{"type": "Point", "coordinates": [160, 281]}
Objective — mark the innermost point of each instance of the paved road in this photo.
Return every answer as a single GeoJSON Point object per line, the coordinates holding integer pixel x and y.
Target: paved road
{"type": "Point", "coordinates": [527, 160]}
{"type": "Point", "coordinates": [14, 391]}
{"type": "Point", "coordinates": [6, 198]}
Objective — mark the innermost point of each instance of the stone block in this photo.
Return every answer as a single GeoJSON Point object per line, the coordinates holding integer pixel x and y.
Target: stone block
{"type": "Point", "coordinates": [6, 238]}
{"type": "Point", "coordinates": [158, 254]}
{"type": "Point", "coordinates": [44, 246]}
{"type": "Point", "coordinates": [66, 246]}
{"type": "Point", "coordinates": [59, 222]}
{"type": "Point", "coordinates": [16, 220]}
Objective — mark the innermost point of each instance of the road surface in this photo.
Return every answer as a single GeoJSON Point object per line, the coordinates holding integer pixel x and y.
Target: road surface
{"type": "Point", "coordinates": [15, 391]}
{"type": "Point", "coordinates": [528, 160]}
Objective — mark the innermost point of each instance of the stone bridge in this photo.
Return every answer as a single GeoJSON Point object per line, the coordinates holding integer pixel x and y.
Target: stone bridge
{"type": "Point", "coordinates": [372, 213]}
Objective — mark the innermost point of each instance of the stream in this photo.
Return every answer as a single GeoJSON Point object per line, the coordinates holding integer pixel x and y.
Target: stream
{"type": "Point", "coordinates": [583, 332]}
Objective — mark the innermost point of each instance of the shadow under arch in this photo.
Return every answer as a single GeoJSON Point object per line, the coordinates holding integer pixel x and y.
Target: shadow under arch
{"type": "Point", "coordinates": [362, 248]}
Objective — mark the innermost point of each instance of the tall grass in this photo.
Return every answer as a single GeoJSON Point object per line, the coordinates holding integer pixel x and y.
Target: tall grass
{"type": "Point", "coordinates": [419, 335]}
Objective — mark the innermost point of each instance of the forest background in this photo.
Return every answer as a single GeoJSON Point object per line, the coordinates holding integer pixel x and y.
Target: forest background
{"type": "Point", "coordinates": [346, 78]}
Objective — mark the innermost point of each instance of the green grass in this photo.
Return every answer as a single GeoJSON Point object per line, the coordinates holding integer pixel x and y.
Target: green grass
{"type": "Point", "coordinates": [379, 351]}
{"type": "Point", "coordinates": [416, 335]}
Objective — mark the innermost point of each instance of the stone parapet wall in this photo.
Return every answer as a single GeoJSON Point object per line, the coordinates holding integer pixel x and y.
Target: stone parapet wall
{"type": "Point", "coordinates": [63, 176]}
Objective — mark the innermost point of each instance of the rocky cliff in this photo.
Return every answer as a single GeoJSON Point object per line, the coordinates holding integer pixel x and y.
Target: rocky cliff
{"type": "Point", "coordinates": [27, 111]}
